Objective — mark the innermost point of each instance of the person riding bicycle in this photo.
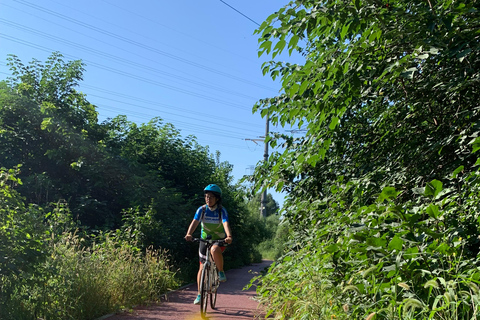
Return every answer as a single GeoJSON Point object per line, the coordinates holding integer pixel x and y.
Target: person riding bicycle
{"type": "Point", "coordinates": [214, 219]}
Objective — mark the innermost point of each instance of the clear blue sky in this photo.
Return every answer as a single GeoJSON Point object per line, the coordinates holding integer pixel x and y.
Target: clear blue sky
{"type": "Point", "coordinates": [192, 63]}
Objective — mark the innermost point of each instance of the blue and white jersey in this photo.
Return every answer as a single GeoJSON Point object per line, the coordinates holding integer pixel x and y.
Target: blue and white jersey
{"type": "Point", "coordinates": [212, 222]}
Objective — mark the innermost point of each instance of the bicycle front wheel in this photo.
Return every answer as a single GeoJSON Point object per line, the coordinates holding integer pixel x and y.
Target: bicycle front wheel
{"type": "Point", "coordinates": [204, 290]}
{"type": "Point", "coordinates": [214, 286]}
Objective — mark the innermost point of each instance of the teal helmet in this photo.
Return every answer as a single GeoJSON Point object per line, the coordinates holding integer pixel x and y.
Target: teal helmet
{"type": "Point", "coordinates": [213, 188]}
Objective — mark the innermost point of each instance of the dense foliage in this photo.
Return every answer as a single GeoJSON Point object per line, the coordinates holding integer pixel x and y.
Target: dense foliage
{"type": "Point", "coordinates": [81, 197]}
{"type": "Point", "coordinates": [48, 272]}
{"type": "Point", "coordinates": [383, 188]}
{"type": "Point", "coordinates": [272, 234]}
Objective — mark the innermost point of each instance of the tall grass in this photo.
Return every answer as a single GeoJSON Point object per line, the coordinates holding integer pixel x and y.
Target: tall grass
{"type": "Point", "coordinates": [84, 282]}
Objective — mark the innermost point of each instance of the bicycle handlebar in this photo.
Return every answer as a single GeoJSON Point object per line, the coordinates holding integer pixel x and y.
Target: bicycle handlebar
{"type": "Point", "coordinates": [220, 242]}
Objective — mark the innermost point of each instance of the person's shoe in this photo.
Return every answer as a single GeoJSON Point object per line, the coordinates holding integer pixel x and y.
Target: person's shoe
{"type": "Point", "coordinates": [221, 276]}
{"type": "Point", "coordinates": [197, 300]}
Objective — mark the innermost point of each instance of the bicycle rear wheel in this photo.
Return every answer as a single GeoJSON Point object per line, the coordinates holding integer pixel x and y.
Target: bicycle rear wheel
{"type": "Point", "coordinates": [215, 283]}
{"type": "Point", "coordinates": [204, 290]}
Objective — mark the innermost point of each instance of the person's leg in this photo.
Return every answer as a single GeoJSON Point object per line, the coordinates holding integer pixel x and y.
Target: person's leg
{"type": "Point", "coordinates": [199, 275]}
{"type": "Point", "coordinates": [217, 257]}
{"type": "Point", "coordinates": [202, 250]}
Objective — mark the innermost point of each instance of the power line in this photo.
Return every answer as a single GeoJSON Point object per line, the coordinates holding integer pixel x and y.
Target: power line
{"type": "Point", "coordinates": [168, 27]}
{"type": "Point", "coordinates": [214, 127]}
{"type": "Point", "coordinates": [189, 126]}
{"type": "Point", "coordinates": [131, 75]}
{"type": "Point", "coordinates": [224, 123]}
{"type": "Point", "coordinates": [97, 52]}
{"type": "Point", "coordinates": [141, 34]}
{"type": "Point", "coordinates": [182, 124]}
{"type": "Point", "coordinates": [124, 61]}
{"type": "Point", "coordinates": [240, 13]}
{"type": "Point", "coordinates": [138, 44]}
{"type": "Point", "coordinates": [155, 103]}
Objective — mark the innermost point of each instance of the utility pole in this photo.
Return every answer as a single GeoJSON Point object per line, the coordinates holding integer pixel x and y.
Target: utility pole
{"type": "Point", "coordinates": [263, 202]}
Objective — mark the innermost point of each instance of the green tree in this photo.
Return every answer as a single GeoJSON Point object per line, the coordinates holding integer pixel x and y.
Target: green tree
{"type": "Point", "coordinates": [271, 205]}
{"type": "Point", "coordinates": [387, 94]}
{"type": "Point", "coordinates": [51, 129]}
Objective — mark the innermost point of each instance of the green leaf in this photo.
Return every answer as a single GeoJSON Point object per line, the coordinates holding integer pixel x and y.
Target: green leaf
{"type": "Point", "coordinates": [392, 267]}
{"type": "Point", "coordinates": [388, 193]}
{"type": "Point", "coordinates": [334, 122]}
{"type": "Point", "coordinates": [409, 73]}
{"type": "Point", "coordinates": [266, 46]}
{"type": "Point", "coordinates": [47, 122]}
{"type": "Point", "coordinates": [475, 144]}
{"type": "Point", "coordinates": [463, 54]}
{"type": "Point", "coordinates": [344, 31]}
{"type": "Point", "coordinates": [293, 42]}
{"type": "Point", "coordinates": [423, 56]}
{"type": "Point", "coordinates": [433, 188]}
{"type": "Point", "coordinates": [457, 171]}
{"type": "Point", "coordinates": [396, 244]}
{"type": "Point", "coordinates": [293, 90]}
{"type": "Point", "coordinates": [332, 248]}
{"type": "Point", "coordinates": [303, 87]}
{"type": "Point", "coordinates": [411, 253]}
{"type": "Point", "coordinates": [278, 47]}
{"type": "Point", "coordinates": [433, 211]}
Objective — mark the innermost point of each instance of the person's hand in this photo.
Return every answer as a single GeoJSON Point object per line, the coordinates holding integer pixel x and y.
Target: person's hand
{"type": "Point", "coordinates": [188, 237]}
{"type": "Point", "coordinates": [228, 240]}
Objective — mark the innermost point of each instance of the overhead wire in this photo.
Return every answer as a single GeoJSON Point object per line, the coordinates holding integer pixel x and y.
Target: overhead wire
{"type": "Point", "coordinates": [198, 129]}
{"type": "Point", "coordinates": [184, 116]}
{"type": "Point", "coordinates": [98, 52]}
{"type": "Point", "coordinates": [156, 22]}
{"type": "Point", "coordinates": [178, 124]}
{"type": "Point", "coordinates": [107, 55]}
{"type": "Point", "coordinates": [132, 76]}
{"type": "Point", "coordinates": [141, 45]}
{"type": "Point", "coordinates": [136, 99]}
{"type": "Point", "coordinates": [258, 24]}
{"type": "Point", "coordinates": [225, 133]}
{"type": "Point", "coordinates": [124, 61]}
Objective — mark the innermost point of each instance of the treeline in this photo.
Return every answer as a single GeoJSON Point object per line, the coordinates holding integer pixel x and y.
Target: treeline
{"type": "Point", "coordinates": [76, 191]}
{"type": "Point", "coordinates": [384, 189]}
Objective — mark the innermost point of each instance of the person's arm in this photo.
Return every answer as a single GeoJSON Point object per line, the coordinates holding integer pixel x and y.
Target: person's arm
{"type": "Point", "coordinates": [228, 232]}
{"type": "Point", "coordinates": [191, 229]}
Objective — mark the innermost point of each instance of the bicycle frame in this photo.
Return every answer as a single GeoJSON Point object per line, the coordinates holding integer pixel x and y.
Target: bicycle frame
{"type": "Point", "coordinates": [209, 281]}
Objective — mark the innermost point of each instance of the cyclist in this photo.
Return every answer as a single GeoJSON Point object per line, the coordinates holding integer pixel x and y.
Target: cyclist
{"type": "Point", "coordinates": [214, 220]}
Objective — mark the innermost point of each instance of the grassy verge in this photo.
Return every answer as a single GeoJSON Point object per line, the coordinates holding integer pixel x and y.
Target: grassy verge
{"type": "Point", "coordinates": [79, 282]}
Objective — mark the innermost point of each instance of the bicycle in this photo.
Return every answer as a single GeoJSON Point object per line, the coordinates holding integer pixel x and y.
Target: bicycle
{"type": "Point", "coordinates": [209, 281]}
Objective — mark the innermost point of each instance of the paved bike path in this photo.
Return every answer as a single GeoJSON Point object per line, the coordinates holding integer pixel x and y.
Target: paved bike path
{"type": "Point", "coordinates": [232, 301]}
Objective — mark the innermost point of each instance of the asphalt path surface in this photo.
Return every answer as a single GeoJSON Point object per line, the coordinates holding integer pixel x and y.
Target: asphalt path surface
{"type": "Point", "coordinates": [232, 301]}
